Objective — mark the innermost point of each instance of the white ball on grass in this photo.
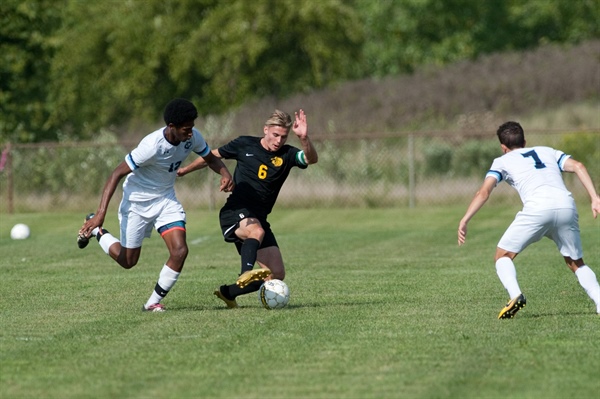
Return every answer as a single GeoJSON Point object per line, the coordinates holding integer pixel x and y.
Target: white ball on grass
{"type": "Point", "coordinates": [20, 231]}
{"type": "Point", "coordinates": [274, 294]}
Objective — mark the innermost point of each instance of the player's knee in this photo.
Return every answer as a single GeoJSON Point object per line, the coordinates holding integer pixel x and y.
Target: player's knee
{"type": "Point", "coordinates": [258, 233]}
{"type": "Point", "coordinates": [501, 253]}
{"type": "Point", "coordinates": [126, 259]}
{"type": "Point", "coordinates": [574, 264]}
{"type": "Point", "coordinates": [127, 264]}
{"type": "Point", "coordinates": [179, 253]}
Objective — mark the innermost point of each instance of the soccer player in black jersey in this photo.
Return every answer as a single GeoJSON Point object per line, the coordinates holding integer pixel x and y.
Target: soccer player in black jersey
{"type": "Point", "coordinates": [263, 165]}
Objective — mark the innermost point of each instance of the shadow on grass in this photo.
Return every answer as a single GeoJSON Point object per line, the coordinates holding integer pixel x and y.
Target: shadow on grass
{"type": "Point", "coordinates": [553, 314]}
{"type": "Point", "coordinates": [217, 306]}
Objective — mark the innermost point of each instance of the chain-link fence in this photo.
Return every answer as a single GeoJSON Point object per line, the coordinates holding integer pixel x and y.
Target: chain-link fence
{"type": "Point", "coordinates": [407, 170]}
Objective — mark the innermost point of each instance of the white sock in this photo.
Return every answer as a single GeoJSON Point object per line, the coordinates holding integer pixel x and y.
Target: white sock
{"type": "Point", "coordinates": [106, 241]}
{"type": "Point", "coordinates": [166, 280]}
{"type": "Point", "coordinates": [505, 268]}
{"type": "Point", "coordinates": [589, 282]}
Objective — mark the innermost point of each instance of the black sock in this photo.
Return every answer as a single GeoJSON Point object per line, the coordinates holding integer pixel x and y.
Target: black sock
{"type": "Point", "coordinates": [225, 292]}
{"type": "Point", "coordinates": [232, 291]}
{"type": "Point", "coordinates": [248, 253]}
{"type": "Point", "coordinates": [100, 233]}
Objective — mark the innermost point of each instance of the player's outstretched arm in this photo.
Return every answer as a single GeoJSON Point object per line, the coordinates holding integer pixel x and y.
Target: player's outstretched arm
{"type": "Point", "coordinates": [573, 166]}
{"type": "Point", "coordinates": [476, 204]}
{"type": "Point", "coordinates": [110, 186]}
{"type": "Point", "coordinates": [198, 163]}
{"type": "Point", "coordinates": [300, 129]}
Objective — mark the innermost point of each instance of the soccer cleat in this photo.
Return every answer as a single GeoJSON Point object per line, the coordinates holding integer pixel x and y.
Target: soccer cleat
{"type": "Point", "coordinates": [512, 307]}
{"type": "Point", "coordinates": [157, 307]}
{"type": "Point", "coordinates": [83, 241]}
{"type": "Point", "coordinates": [231, 303]}
{"type": "Point", "coordinates": [252, 275]}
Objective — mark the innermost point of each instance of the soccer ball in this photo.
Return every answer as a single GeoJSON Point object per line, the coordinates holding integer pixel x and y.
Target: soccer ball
{"type": "Point", "coordinates": [19, 231]}
{"type": "Point", "coordinates": [274, 294]}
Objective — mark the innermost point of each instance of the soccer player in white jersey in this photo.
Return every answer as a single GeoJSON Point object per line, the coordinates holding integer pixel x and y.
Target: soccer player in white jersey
{"type": "Point", "coordinates": [548, 210]}
{"type": "Point", "coordinates": [149, 199]}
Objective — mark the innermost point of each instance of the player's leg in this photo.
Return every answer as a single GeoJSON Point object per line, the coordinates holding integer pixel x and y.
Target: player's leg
{"type": "Point", "coordinates": [126, 255]}
{"type": "Point", "coordinates": [247, 233]}
{"type": "Point", "coordinates": [259, 275]}
{"type": "Point", "coordinates": [271, 266]}
{"type": "Point", "coordinates": [248, 282]}
{"type": "Point", "coordinates": [507, 273]}
{"type": "Point", "coordinates": [170, 224]}
{"type": "Point", "coordinates": [241, 227]}
{"type": "Point", "coordinates": [568, 241]}
{"type": "Point", "coordinates": [587, 279]}
{"type": "Point", "coordinates": [526, 229]}
{"type": "Point", "coordinates": [251, 232]}
{"type": "Point", "coordinates": [271, 259]}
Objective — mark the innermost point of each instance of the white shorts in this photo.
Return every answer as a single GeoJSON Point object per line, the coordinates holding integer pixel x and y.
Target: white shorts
{"type": "Point", "coordinates": [559, 225]}
{"type": "Point", "coordinates": [138, 218]}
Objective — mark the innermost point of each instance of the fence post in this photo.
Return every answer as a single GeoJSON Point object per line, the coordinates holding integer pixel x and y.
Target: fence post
{"type": "Point", "coordinates": [411, 171]}
{"type": "Point", "coordinates": [9, 178]}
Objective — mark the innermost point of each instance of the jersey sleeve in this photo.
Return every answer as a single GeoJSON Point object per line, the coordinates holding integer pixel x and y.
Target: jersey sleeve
{"type": "Point", "coordinates": [143, 154]}
{"type": "Point", "coordinates": [201, 147]}
{"type": "Point", "coordinates": [231, 149]}
{"type": "Point", "coordinates": [496, 171]}
{"type": "Point", "coordinates": [561, 158]}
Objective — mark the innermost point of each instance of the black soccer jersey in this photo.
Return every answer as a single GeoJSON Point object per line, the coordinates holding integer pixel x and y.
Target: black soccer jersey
{"type": "Point", "coordinates": [259, 174]}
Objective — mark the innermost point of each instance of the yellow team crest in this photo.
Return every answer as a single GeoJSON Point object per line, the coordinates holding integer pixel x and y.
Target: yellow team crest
{"type": "Point", "coordinates": [277, 161]}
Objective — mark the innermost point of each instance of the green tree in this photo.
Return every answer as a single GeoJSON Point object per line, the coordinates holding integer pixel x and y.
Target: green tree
{"type": "Point", "coordinates": [113, 62]}
{"type": "Point", "coordinates": [70, 67]}
{"type": "Point", "coordinates": [402, 35]}
{"type": "Point", "coordinates": [272, 47]}
{"type": "Point", "coordinates": [129, 58]}
{"type": "Point", "coordinates": [26, 50]}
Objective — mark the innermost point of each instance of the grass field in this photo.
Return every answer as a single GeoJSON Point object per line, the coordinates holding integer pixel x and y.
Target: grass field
{"type": "Point", "coordinates": [384, 305]}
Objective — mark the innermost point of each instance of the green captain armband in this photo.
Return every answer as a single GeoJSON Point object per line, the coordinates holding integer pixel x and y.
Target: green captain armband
{"type": "Point", "coordinates": [300, 158]}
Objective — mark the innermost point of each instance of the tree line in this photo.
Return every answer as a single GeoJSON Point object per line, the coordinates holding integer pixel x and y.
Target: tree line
{"type": "Point", "coordinates": [72, 67]}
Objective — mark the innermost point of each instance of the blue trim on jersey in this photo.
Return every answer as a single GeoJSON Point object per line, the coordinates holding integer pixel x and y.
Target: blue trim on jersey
{"type": "Point", "coordinates": [495, 174]}
{"type": "Point", "coordinates": [561, 161]}
{"type": "Point", "coordinates": [204, 151]}
{"type": "Point", "coordinates": [131, 161]}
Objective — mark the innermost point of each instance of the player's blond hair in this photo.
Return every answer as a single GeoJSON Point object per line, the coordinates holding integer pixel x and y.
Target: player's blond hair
{"type": "Point", "coordinates": [279, 118]}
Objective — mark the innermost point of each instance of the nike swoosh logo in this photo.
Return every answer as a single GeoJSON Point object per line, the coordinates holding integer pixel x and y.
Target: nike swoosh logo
{"type": "Point", "coordinates": [249, 155]}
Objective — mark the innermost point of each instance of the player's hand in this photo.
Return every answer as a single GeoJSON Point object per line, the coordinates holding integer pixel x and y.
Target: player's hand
{"type": "Point", "coordinates": [226, 184]}
{"type": "Point", "coordinates": [596, 206]}
{"type": "Point", "coordinates": [300, 127]}
{"type": "Point", "coordinates": [182, 171]}
{"type": "Point", "coordinates": [89, 225]}
{"type": "Point", "coordinates": [462, 233]}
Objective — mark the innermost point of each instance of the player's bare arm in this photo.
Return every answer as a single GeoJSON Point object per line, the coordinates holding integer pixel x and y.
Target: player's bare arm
{"type": "Point", "coordinates": [217, 165]}
{"type": "Point", "coordinates": [476, 204]}
{"type": "Point", "coordinates": [300, 129]}
{"type": "Point", "coordinates": [573, 166]}
{"type": "Point", "coordinates": [197, 164]}
{"type": "Point", "coordinates": [110, 186]}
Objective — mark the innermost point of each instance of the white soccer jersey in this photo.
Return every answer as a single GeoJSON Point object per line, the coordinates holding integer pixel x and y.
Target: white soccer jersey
{"type": "Point", "coordinates": [536, 175]}
{"type": "Point", "coordinates": [154, 163]}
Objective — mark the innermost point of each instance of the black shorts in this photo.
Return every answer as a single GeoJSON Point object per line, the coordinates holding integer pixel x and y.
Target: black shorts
{"type": "Point", "coordinates": [230, 218]}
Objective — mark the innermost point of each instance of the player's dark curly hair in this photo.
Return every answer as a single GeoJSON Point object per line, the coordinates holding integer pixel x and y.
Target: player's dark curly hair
{"type": "Point", "coordinates": [179, 111]}
{"type": "Point", "coordinates": [511, 135]}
